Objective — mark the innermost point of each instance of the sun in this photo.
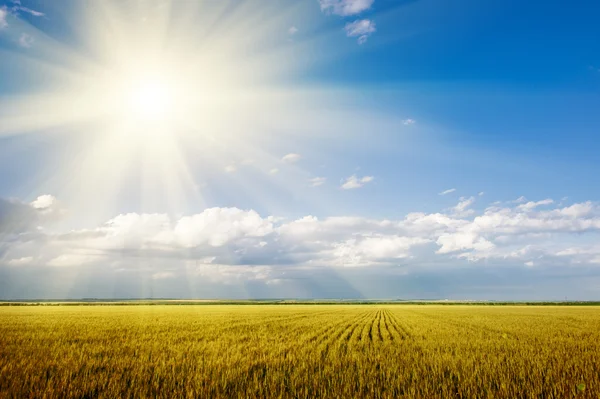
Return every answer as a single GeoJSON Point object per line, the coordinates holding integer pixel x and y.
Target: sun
{"type": "Point", "coordinates": [150, 100]}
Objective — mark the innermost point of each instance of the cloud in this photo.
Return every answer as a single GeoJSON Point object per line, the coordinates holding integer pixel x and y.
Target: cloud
{"type": "Point", "coordinates": [233, 246]}
{"type": "Point", "coordinates": [366, 251]}
{"type": "Point", "coordinates": [462, 208]}
{"type": "Point", "coordinates": [292, 30]}
{"type": "Point", "coordinates": [291, 158]}
{"type": "Point", "coordinates": [449, 191]}
{"type": "Point", "coordinates": [274, 171]}
{"type": "Point", "coordinates": [317, 181]}
{"type": "Point", "coordinates": [28, 11]}
{"type": "Point", "coordinates": [409, 122]}
{"type": "Point", "coordinates": [354, 182]}
{"type": "Point", "coordinates": [345, 7]}
{"type": "Point", "coordinates": [3, 14]}
{"type": "Point", "coordinates": [360, 28]}
{"type": "Point", "coordinates": [44, 202]}
{"type": "Point", "coordinates": [230, 168]}
{"type": "Point", "coordinates": [531, 205]}
{"type": "Point", "coordinates": [26, 260]}
{"type": "Point", "coordinates": [18, 217]}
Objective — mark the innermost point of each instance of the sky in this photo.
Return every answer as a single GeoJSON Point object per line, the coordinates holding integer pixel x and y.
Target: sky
{"type": "Point", "coordinates": [384, 149]}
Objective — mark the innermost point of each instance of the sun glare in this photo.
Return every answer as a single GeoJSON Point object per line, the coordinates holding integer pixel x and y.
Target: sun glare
{"type": "Point", "coordinates": [150, 100]}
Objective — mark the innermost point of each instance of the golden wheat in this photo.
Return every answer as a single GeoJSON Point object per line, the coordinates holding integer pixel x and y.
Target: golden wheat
{"type": "Point", "coordinates": [303, 351]}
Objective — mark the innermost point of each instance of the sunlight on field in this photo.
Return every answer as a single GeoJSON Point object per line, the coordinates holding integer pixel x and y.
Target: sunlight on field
{"type": "Point", "coordinates": [299, 351]}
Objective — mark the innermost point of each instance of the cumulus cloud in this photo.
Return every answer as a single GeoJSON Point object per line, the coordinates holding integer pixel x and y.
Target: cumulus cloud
{"type": "Point", "coordinates": [234, 246]}
{"type": "Point", "coordinates": [345, 7]}
{"type": "Point", "coordinates": [449, 191]}
{"type": "Point", "coordinates": [361, 29]}
{"type": "Point", "coordinates": [291, 158]}
{"type": "Point", "coordinates": [317, 181]}
{"type": "Point", "coordinates": [354, 182]}
{"type": "Point", "coordinates": [44, 203]}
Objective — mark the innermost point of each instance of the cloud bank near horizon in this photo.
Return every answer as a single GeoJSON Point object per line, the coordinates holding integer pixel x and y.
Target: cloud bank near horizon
{"type": "Point", "coordinates": [228, 247]}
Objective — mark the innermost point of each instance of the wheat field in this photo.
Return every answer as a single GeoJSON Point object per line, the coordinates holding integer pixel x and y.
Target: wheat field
{"type": "Point", "coordinates": [299, 351]}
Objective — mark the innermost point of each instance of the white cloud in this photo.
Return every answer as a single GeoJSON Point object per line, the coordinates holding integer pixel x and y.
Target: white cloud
{"type": "Point", "coordinates": [291, 158]}
{"type": "Point", "coordinates": [317, 181]}
{"type": "Point", "coordinates": [449, 191]}
{"type": "Point", "coordinates": [461, 241]}
{"type": "Point", "coordinates": [345, 7]}
{"type": "Point", "coordinates": [274, 171]}
{"type": "Point", "coordinates": [230, 245]}
{"type": "Point", "coordinates": [26, 40]}
{"type": "Point", "coordinates": [218, 226]}
{"type": "Point", "coordinates": [26, 260]}
{"type": "Point", "coordinates": [3, 14]}
{"type": "Point", "coordinates": [44, 202]}
{"type": "Point", "coordinates": [409, 122]}
{"type": "Point", "coordinates": [531, 205]}
{"type": "Point", "coordinates": [362, 29]}
{"type": "Point", "coordinates": [481, 194]}
{"type": "Point", "coordinates": [369, 250]}
{"type": "Point", "coordinates": [354, 182]}
{"type": "Point", "coordinates": [462, 208]}
{"type": "Point", "coordinates": [292, 30]}
{"type": "Point", "coordinates": [18, 7]}
{"type": "Point", "coordinates": [230, 168]}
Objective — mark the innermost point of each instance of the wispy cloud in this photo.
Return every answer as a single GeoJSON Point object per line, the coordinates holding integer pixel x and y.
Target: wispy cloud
{"type": "Point", "coordinates": [3, 14]}
{"type": "Point", "coordinates": [292, 30]}
{"type": "Point", "coordinates": [274, 171]}
{"type": "Point", "coordinates": [26, 40]}
{"type": "Point", "coordinates": [32, 12]}
{"type": "Point", "coordinates": [18, 7]}
{"type": "Point", "coordinates": [354, 182]}
{"type": "Point", "coordinates": [345, 7]}
{"type": "Point", "coordinates": [446, 192]}
{"type": "Point", "coordinates": [317, 181]}
{"type": "Point", "coordinates": [230, 169]}
{"type": "Point", "coordinates": [531, 205]}
{"type": "Point", "coordinates": [291, 158]}
{"type": "Point", "coordinates": [462, 208]}
{"type": "Point", "coordinates": [408, 122]}
{"type": "Point", "coordinates": [362, 28]}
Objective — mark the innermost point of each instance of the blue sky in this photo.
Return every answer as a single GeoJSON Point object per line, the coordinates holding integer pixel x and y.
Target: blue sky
{"type": "Point", "coordinates": [326, 148]}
